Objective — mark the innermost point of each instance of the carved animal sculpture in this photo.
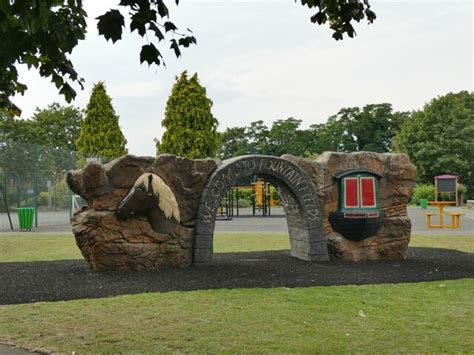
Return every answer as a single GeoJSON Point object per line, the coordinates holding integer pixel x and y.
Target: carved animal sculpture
{"type": "Point", "coordinates": [151, 197]}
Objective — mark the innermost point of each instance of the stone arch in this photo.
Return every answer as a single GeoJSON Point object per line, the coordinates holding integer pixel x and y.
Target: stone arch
{"type": "Point", "coordinates": [303, 214]}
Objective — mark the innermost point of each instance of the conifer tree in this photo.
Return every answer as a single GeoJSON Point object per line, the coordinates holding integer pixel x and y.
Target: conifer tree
{"type": "Point", "coordinates": [191, 129]}
{"type": "Point", "coordinates": [100, 132]}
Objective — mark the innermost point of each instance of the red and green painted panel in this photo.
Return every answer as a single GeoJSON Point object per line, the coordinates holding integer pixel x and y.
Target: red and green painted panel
{"type": "Point", "coordinates": [351, 187]}
{"type": "Point", "coordinates": [358, 192]}
{"type": "Point", "coordinates": [358, 216]}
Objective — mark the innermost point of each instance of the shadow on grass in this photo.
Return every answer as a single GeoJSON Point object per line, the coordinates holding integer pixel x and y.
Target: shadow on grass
{"type": "Point", "coordinates": [73, 279]}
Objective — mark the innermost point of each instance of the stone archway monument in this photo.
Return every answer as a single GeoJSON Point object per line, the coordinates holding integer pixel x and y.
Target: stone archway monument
{"type": "Point", "coordinates": [303, 213]}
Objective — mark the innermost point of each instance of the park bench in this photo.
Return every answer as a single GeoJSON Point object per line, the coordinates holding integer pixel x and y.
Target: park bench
{"type": "Point", "coordinates": [470, 203]}
{"type": "Point", "coordinates": [429, 215]}
{"type": "Point", "coordinates": [455, 218]}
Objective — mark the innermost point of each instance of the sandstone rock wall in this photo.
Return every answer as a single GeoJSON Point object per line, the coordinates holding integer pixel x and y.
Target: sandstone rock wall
{"type": "Point", "coordinates": [109, 243]}
{"type": "Point", "coordinates": [396, 185]}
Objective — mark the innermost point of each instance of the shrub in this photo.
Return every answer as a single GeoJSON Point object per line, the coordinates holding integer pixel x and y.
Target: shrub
{"type": "Point", "coordinates": [422, 191]}
{"type": "Point", "coordinates": [43, 198]}
{"type": "Point", "coordinates": [276, 196]}
{"type": "Point", "coordinates": [60, 196]}
{"type": "Point", "coordinates": [245, 197]}
{"type": "Point", "coordinates": [243, 203]}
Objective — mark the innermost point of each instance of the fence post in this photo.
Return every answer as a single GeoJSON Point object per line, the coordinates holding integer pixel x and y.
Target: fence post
{"type": "Point", "coordinates": [72, 166]}
{"type": "Point", "coordinates": [35, 185]}
{"type": "Point", "coordinates": [4, 193]}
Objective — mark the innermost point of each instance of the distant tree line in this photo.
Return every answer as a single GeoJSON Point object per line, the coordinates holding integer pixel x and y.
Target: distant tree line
{"type": "Point", "coordinates": [37, 152]}
{"type": "Point", "coordinates": [438, 138]}
{"type": "Point", "coordinates": [371, 128]}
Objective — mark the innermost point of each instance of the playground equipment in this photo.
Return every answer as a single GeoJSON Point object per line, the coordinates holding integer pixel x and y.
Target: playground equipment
{"type": "Point", "coordinates": [135, 231]}
{"type": "Point", "coordinates": [226, 209]}
{"type": "Point", "coordinates": [262, 200]}
{"type": "Point", "coordinates": [261, 197]}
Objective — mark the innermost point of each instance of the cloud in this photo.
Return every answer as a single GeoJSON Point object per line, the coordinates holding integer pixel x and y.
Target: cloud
{"type": "Point", "coordinates": [135, 89]}
{"type": "Point", "coordinates": [266, 60]}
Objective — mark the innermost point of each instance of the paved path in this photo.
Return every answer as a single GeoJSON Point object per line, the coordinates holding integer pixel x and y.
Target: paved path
{"type": "Point", "coordinates": [419, 221]}
{"type": "Point", "coordinates": [278, 224]}
{"type": "Point", "coordinates": [47, 222]}
{"type": "Point", "coordinates": [9, 350]}
{"type": "Point", "coordinates": [58, 222]}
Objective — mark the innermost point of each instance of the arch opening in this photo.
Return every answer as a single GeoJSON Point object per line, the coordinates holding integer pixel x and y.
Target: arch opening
{"type": "Point", "coordinates": [303, 213]}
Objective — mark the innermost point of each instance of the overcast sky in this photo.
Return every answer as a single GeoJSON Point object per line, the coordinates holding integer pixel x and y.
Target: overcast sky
{"type": "Point", "coordinates": [265, 60]}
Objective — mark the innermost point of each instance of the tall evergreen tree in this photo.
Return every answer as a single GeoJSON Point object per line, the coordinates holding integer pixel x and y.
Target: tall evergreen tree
{"type": "Point", "coordinates": [100, 132]}
{"type": "Point", "coordinates": [191, 129]}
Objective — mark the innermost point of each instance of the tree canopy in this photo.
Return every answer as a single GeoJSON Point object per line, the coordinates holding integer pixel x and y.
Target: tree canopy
{"type": "Point", "coordinates": [370, 128]}
{"type": "Point", "coordinates": [100, 131]}
{"type": "Point", "coordinates": [44, 143]}
{"type": "Point", "coordinates": [191, 129]}
{"type": "Point", "coordinates": [55, 126]}
{"type": "Point", "coordinates": [440, 138]}
{"type": "Point", "coordinates": [42, 34]}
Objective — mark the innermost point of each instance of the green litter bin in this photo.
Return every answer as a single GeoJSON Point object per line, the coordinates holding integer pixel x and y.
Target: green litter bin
{"type": "Point", "coordinates": [423, 203]}
{"type": "Point", "coordinates": [25, 218]}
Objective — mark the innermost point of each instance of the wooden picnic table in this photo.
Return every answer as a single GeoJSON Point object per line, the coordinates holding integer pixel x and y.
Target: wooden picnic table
{"type": "Point", "coordinates": [455, 217]}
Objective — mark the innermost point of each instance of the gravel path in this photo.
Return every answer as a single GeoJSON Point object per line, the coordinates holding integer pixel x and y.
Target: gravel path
{"type": "Point", "coordinates": [72, 279]}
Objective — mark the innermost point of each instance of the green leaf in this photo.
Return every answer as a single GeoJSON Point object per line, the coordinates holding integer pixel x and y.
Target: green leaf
{"type": "Point", "coordinates": [30, 60]}
{"type": "Point", "coordinates": [68, 92]}
{"type": "Point", "coordinates": [150, 54]}
{"type": "Point", "coordinates": [187, 41]}
{"type": "Point", "coordinates": [137, 23]}
{"type": "Point", "coordinates": [57, 80]}
{"type": "Point", "coordinates": [319, 17]}
{"type": "Point", "coordinates": [169, 26]}
{"type": "Point", "coordinates": [162, 9]}
{"type": "Point", "coordinates": [174, 46]}
{"type": "Point", "coordinates": [371, 16]}
{"type": "Point", "coordinates": [110, 25]}
{"type": "Point", "coordinates": [130, 3]}
{"type": "Point", "coordinates": [153, 27]}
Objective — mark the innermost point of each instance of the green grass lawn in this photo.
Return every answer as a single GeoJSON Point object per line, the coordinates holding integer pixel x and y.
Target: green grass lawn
{"type": "Point", "coordinates": [433, 317]}
{"type": "Point", "coordinates": [39, 246]}
{"type": "Point", "coordinates": [457, 242]}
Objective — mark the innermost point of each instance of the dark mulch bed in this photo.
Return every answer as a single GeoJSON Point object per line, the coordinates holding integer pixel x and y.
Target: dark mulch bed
{"type": "Point", "coordinates": [73, 279]}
